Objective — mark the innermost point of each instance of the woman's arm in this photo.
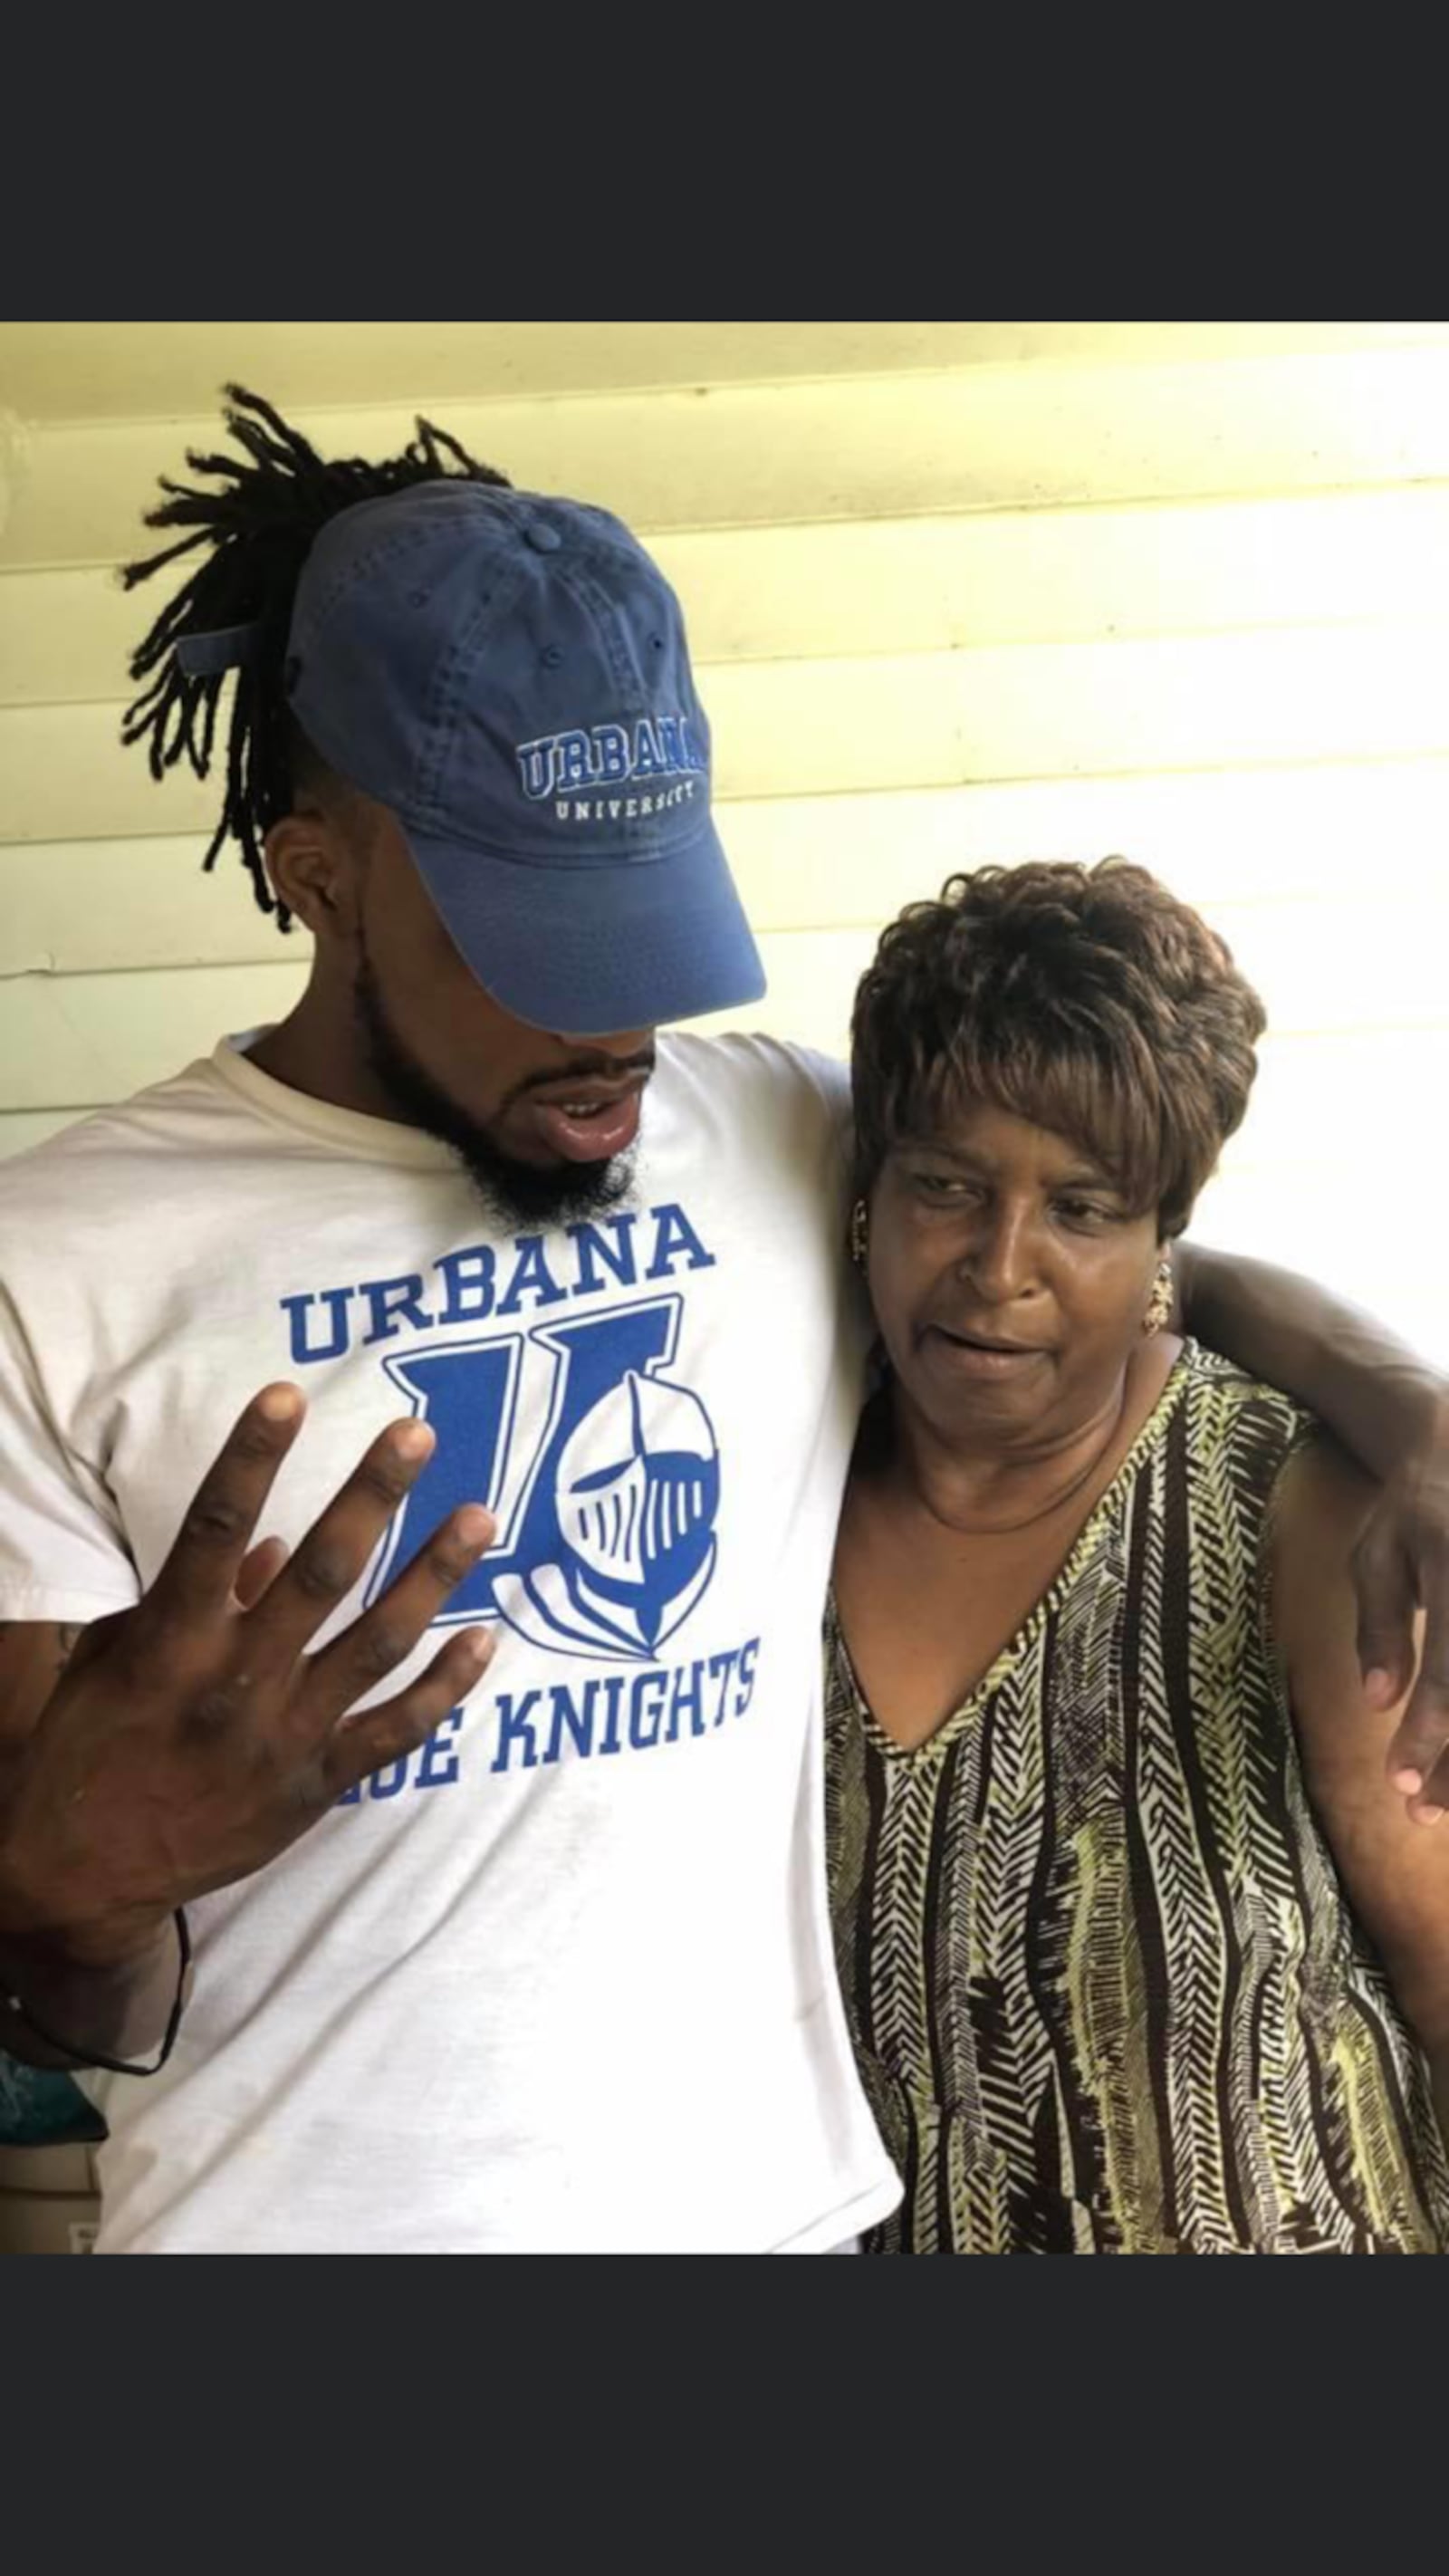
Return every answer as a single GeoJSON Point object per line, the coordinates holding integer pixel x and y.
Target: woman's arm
{"type": "Point", "coordinates": [1391, 1411]}
{"type": "Point", "coordinates": [1397, 1876]}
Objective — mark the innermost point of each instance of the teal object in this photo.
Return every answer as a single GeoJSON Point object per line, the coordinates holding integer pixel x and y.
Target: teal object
{"type": "Point", "coordinates": [43, 2108]}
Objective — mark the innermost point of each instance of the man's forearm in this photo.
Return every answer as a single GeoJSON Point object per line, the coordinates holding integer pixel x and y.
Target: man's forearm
{"type": "Point", "coordinates": [1381, 1399]}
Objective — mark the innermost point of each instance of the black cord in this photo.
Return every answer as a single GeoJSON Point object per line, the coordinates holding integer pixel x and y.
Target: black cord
{"type": "Point", "coordinates": [116, 2065]}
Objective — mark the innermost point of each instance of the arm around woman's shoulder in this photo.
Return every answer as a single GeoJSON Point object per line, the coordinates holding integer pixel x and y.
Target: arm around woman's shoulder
{"type": "Point", "coordinates": [1396, 1871]}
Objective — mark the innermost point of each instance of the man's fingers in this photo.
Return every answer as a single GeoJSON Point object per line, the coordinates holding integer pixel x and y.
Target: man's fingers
{"type": "Point", "coordinates": [386, 1734]}
{"type": "Point", "coordinates": [259, 1569]}
{"type": "Point", "coordinates": [386, 1634]}
{"type": "Point", "coordinates": [1387, 1598]}
{"type": "Point", "coordinates": [1431, 1804]}
{"type": "Point", "coordinates": [1423, 1735]}
{"type": "Point", "coordinates": [325, 1565]}
{"type": "Point", "coordinates": [199, 1576]}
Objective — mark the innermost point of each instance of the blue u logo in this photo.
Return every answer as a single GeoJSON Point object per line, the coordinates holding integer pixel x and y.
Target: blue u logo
{"type": "Point", "coordinates": [606, 1509]}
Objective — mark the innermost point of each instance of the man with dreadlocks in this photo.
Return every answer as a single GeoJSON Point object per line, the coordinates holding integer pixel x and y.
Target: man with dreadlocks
{"type": "Point", "coordinates": [471, 1731]}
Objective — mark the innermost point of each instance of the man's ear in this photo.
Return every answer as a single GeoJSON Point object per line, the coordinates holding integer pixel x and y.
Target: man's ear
{"type": "Point", "coordinates": [307, 864]}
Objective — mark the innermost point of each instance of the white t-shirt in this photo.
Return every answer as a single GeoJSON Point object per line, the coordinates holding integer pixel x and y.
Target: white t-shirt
{"type": "Point", "coordinates": [562, 1980]}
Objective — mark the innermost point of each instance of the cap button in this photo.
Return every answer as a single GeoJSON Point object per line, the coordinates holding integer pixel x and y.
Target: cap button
{"type": "Point", "coordinates": [543, 539]}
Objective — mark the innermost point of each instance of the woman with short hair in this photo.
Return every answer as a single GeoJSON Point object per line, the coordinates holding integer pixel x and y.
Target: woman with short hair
{"type": "Point", "coordinates": [1142, 1952]}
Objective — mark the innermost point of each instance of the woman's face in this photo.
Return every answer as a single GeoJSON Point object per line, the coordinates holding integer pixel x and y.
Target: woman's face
{"type": "Point", "coordinates": [1008, 1276]}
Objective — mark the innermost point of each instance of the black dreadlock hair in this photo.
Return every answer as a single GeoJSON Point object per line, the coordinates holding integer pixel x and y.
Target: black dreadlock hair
{"type": "Point", "coordinates": [260, 523]}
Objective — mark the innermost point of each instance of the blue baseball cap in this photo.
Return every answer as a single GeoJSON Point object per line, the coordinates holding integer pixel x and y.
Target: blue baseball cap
{"type": "Point", "coordinates": [508, 673]}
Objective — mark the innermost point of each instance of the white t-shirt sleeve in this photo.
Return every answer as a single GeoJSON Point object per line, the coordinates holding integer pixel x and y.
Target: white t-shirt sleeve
{"type": "Point", "coordinates": [830, 1077]}
{"type": "Point", "coordinates": [62, 1555]}
{"type": "Point", "coordinates": [832, 1080]}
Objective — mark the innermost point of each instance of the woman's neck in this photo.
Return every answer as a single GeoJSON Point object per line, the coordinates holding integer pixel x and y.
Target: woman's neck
{"type": "Point", "coordinates": [999, 1486]}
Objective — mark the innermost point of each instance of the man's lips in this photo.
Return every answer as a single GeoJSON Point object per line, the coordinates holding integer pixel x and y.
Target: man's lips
{"type": "Point", "coordinates": [585, 1119]}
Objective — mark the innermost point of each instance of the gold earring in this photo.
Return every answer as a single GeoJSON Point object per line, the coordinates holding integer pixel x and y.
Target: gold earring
{"type": "Point", "coordinates": [859, 1233]}
{"type": "Point", "coordinates": [1159, 1307]}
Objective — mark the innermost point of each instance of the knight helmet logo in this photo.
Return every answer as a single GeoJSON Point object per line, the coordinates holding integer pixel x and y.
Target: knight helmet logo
{"type": "Point", "coordinates": [636, 1499]}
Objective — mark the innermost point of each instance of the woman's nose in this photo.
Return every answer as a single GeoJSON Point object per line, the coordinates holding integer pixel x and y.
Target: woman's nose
{"type": "Point", "coordinates": [1001, 1261]}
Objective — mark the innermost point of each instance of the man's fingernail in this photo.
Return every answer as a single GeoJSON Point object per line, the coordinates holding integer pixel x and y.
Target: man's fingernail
{"type": "Point", "coordinates": [413, 1439]}
{"type": "Point", "coordinates": [1378, 1683]}
{"type": "Point", "coordinates": [1408, 1783]}
{"type": "Point", "coordinates": [1427, 1815]}
{"type": "Point", "coordinates": [279, 1403]}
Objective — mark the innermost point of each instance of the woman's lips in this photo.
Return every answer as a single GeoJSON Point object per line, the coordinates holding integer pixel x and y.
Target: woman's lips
{"type": "Point", "coordinates": [966, 1358]}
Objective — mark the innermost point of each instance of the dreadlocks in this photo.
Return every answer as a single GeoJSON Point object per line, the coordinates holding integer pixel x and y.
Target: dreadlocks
{"type": "Point", "coordinates": [259, 523]}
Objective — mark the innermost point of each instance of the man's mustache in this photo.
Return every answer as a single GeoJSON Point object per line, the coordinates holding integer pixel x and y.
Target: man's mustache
{"type": "Point", "coordinates": [586, 1068]}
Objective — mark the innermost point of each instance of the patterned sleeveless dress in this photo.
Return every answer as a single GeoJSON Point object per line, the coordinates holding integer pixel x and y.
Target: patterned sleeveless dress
{"type": "Point", "coordinates": [1106, 1990]}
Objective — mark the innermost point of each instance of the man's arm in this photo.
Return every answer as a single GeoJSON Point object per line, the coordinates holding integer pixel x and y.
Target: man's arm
{"type": "Point", "coordinates": [1379, 1398]}
{"type": "Point", "coordinates": [1397, 1879]}
{"type": "Point", "coordinates": [1390, 1410]}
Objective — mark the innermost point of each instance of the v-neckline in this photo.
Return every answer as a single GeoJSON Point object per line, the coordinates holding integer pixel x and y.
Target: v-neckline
{"type": "Point", "coordinates": [1018, 1646]}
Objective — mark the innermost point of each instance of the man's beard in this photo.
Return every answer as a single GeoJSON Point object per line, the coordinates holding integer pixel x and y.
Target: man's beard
{"type": "Point", "coordinates": [514, 1194]}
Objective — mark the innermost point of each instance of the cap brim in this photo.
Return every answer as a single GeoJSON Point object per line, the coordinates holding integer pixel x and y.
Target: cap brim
{"type": "Point", "coordinates": [590, 949]}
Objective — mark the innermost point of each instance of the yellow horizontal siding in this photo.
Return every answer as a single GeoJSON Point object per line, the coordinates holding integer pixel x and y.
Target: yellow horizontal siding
{"type": "Point", "coordinates": [76, 1042]}
{"type": "Point", "coordinates": [985, 438]}
{"type": "Point", "coordinates": [80, 370]}
{"type": "Point", "coordinates": [898, 586]}
{"type": "Point", "coordinates": [1375, 835]}
{"type": "Point", "coordinates": [20, 1129]}
{"type": "Point", "coordinates": [790, 729]}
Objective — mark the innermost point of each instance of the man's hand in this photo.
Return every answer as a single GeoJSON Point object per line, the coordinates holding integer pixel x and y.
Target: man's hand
{"type": "Point", "coordinates": [192, 1738]}
{"type": "Point", "coordinates": [1400, 1566]}
{"type": "Point", "coordinates": [1390, 1410]}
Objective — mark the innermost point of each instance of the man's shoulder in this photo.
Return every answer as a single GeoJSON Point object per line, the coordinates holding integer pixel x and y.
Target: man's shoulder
{"type": "Point", "coordinates": [114, 1152]}
{"type": "Point", "coordinates": [753, 1061]}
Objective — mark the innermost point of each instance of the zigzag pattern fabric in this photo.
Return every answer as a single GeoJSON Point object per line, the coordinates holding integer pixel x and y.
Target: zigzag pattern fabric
{"type": "Point", "coordinates": [1106, 1990]}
